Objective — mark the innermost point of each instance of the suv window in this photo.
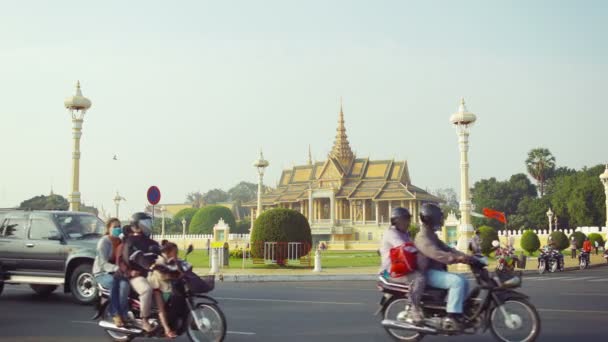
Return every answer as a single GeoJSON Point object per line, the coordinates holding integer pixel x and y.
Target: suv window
{"type": "Point", "coordinates": [77, 226]}
{"type": "Point", "coordinates": [14, 226]}
{"type": "Point", "coordinates": [42, 228]}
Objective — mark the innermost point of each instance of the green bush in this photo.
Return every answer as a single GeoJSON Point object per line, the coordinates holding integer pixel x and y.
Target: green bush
{"type": "Point", "coordinates": [187, 214]}
{"type": "Point", "coordinates": [414, 229]}
{"type": "Point", "coordinates": [530, 242]}
{"type": "Point", "coordinates": [580, 238]}
{"type": "Point", "coordinates": [242, 227]}
{"type": "Point", "coordinates": [280, 225]}
{"type": "Point", "coordinates": [560, 239]}
{"type": "Point", "coordinates": [487, 234]}
{"type": "Point", "coordinates": [596, 237]}
{"type": "Point", "coordinates": [207, 217]}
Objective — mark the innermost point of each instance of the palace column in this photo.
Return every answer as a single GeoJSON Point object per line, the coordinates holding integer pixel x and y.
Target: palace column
{"type": "Point", "coordinates": [364, 211]}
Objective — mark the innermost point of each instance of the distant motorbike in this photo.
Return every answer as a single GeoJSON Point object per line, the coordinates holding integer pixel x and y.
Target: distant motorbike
{"type": "Point", "coordinates": [549, 260]}
{"type": "Point", "coordinates": [583, 260]}
{"type": "Point", "coordinates": [606, 255]}
{"type": "Point", "coordinates": [189, 309]}
{"type": "Point", "coordinates": [493, 304]}
{"type": "Point", "coordinates": [506, 259]}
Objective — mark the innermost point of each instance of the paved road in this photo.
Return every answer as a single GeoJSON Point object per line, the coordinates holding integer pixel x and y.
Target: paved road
{"type": "Point", "coordinates": [572, 305]}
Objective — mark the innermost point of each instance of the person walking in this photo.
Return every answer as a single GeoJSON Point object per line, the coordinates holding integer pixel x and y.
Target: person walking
{"type": "Point", "coordinates": [573, 248]}
{"type": "Point", "coordinates": [596, 245]}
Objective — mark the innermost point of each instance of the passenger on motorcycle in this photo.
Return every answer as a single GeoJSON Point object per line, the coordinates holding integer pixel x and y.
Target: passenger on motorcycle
{"type": "Point", "coordinates": [104, 267]}
{"type": "Point", "coordinates": [163, 270]}
{"type": "Point", "coordinates": [398, 236]}
{"type": "Point", "coordinates": [141, 226]}
{"type": "Point", "coordinates": [433, 256]}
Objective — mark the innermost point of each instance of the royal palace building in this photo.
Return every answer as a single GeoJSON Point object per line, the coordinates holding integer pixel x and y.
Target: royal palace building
{"type": "Point", "coordinates": [346, 199]}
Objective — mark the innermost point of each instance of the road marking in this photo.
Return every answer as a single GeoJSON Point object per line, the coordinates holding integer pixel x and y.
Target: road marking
{"type": "Point", "coordinates": [585, 294]}
{"type": "Point", "coordinates": [580, 278]}
{"type": "Point", "coordinates": [333, 288]}
{"type": "Point", "coordinates": [596, 280]}
{"type": "Point", "coordinates": [575, 311]}
{"type": "Point", "coordinates": [286, 301]}
{"type": "Point", "coordinates": [240, 332]}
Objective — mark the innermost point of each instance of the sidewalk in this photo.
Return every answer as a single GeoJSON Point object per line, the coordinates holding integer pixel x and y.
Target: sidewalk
{"type": "Point", "coordinates": [354, 273]}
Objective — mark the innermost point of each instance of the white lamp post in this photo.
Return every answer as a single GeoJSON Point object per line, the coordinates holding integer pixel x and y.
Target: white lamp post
{"type": "Point", "coordinates": [260, 164]}
{"type": "Point", "coordinates": [463, 120]}
{"type": "Point", "coordinates": [117, 200]}
{"type": "Point", "coordinates": [78, 106]}
{"type": "Point", "coordinates": [184, 232]}
{"type": "Point", "coordinates": [550, 217]}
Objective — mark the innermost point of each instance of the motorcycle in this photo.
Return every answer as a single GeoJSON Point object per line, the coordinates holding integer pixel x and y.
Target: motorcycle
{"type": "Point", "coordinates": [506, 259]}
{"type": "Point", "coordinates": [606, 255]}
{"type": "Point", "coordinates": [493, 304]}
{"type": "Point", "coordinates": [583, 260]}
{"type": "Point", "coordinates": [189, 310]}
{"type": "Point", "coordinates": [549, 260]}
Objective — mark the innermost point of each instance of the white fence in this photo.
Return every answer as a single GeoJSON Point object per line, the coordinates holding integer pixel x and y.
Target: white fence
{"type": "Point", "coordinates": [231, 237]}
{"type": "Point", "coordinates": [540, 232]}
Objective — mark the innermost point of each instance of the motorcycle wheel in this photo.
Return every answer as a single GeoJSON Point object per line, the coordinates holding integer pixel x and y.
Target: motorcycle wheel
{"type": "Point", "coordinates": [214, 324]}
{"type": "Point", "coordinates": [541, 267]}
{"type": "Point", "coordinates": [553, 266]}
{"type": "Point", "coordinates": [395, 310]}
{"type": "Point", "coordinates": [582, 264]}
{"type": "Point", "coordinates": [523, 325]}
{"type": "Point", "coordinates": [114, 335]}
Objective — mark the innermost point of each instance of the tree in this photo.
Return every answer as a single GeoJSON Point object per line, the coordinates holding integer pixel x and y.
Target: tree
{"type": "Point", "coordinates": [560, 239]}
{"type": "Point", "coordinates": [579, 237]}
{"type": "Point", "coordinates": [196, 198]}
{"type": "Point", "coordinates": [448, 195]}
{"type": "Point", "coordinates": [51, 202]}
{"type": "Point", "coordinates": [214, 196]}
{"type": "Point", "coordinates": [531, 212]}
{"type": "Point", "coordinates": [593, 237]}
{"type": "Point", "coordinates": [280, 225]}
{"type": "Point", "coordinates": [241, 193]}
{"type": "Point", "coordinates": [242, 227]}
{"type": "Point", "coordinates": [540, 165]}
{"type": "Point", "coordinates": [530, 242]}
{"type": "Point", "coordinates": [487, 234]}
{"type": "Point", "coordinates": [207, 217]}
{"type": "Point", "coordinates": [188, 214]}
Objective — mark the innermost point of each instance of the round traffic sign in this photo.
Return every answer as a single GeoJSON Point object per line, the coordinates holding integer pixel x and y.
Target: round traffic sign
{"type": "Point", "coordinates": [153, 195]}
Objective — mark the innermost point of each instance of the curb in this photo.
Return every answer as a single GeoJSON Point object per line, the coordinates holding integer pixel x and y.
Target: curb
{"type": "Point", "coordinates": [261, 278]}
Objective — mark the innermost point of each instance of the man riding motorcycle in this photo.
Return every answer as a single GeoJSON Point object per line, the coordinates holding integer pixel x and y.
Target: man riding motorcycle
{"type": "Point", "coordinates": [433, 256]}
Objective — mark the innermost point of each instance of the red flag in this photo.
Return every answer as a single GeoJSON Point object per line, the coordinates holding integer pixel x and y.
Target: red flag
{"type": "Point", "coordinates": [493, 214]}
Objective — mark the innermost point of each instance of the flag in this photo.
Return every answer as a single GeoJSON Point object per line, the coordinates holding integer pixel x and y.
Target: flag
{"type": "Point", "coordinates": [493, 214]}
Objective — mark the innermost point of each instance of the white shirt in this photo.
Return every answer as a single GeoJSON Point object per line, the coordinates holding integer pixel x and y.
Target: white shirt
{"type": "Point", "coordinates": [392, 238]}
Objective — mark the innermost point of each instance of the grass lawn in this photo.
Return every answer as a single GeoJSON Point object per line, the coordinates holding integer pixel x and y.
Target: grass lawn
{"type": "Point", "coordinates": [329, 259]}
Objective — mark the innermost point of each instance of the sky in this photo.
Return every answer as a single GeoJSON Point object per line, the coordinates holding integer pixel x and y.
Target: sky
{"type": "Point", "coordinates": [185, 93]}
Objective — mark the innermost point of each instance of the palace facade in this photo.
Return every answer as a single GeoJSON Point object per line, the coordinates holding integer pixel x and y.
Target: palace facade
{"type": "Point", "coordinates": [346, 199]}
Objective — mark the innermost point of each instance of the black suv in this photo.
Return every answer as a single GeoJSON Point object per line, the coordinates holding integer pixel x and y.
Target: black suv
{"type": "Point", "coordinates": [46, 249]}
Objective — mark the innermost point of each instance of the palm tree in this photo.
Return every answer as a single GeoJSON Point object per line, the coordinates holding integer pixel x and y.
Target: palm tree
{"type": "Point", "coordinates": [541, 165]}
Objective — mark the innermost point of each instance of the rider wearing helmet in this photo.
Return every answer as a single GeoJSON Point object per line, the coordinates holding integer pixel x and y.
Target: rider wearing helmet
{"type": "Point", "coordinates": [433, 256]}
{"type": "Point", "coordinates": [140, 241]}
{"type": "Point", "coordinates": [397, 235]}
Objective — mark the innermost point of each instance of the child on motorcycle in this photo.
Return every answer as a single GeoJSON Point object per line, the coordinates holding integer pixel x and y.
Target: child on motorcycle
{"type": "Point", "coordinates": [163, 270]}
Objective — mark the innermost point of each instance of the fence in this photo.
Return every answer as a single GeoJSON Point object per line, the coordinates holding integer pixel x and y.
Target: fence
{"type": "Point", "coordinates": [281, 253]}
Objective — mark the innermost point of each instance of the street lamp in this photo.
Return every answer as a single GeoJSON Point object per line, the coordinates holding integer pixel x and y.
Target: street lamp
{"type": "Point", "coordinates": [260, 164]}
{"type": "Point", "coordinates": [463, 120]}
{"type": "Point", "coordinates": [604, 179]}
{"type": "Point", "coordinates": [184, 232]}
{"type": "Point", "coordinates": [117, 200]}
{"type": "Point", "coordinates": [550, 217]}
{"type": "Point", "coordinates": [77, 105]}
{"type": "Point", "coordinates": [162, 213]}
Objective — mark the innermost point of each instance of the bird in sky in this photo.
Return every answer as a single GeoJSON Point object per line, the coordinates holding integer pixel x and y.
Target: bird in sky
{"type": "Point", "coordinates": [115, 157]}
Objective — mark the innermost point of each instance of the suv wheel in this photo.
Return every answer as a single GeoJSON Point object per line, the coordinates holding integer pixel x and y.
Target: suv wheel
{"type": "Point", "coordinates": [43, 290]}
{"type": "Point", "coordinates": [83, 285]}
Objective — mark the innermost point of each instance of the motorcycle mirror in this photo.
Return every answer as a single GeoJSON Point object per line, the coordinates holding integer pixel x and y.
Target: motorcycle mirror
{"type": "Point", "coordinates": [190, 249]}
{"type": "Point", "coordinates": [495, 243]}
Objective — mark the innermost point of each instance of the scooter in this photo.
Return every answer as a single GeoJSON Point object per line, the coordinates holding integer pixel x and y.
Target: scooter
{"type": "Point", "coordinates": [583, 260]}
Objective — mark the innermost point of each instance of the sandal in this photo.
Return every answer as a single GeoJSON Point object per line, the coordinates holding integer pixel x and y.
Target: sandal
{"type": "Point", "coordinates": [170, 334]}
{"type": "Point", "coordinates": [118, 322]}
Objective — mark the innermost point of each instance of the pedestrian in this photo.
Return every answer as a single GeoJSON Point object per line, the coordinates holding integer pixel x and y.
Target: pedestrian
{"type": "Point", "coordinates": [596, 245]}
{"type": "Point", "coordinates": [573, 248]}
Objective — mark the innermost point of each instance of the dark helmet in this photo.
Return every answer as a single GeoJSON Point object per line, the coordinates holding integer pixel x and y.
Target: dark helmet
{"type": "Point", "coordinates": [142, 221]}
{"type": "Point", "coordinates": [399, 212]}
{"type": "Point", "coordinates": [431, 215]}
{"type": "Point", "coordinates": [140, 216]}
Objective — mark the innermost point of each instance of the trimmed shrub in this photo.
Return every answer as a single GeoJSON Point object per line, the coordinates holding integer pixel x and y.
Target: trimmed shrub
{"type": "Point", "coordinates": [596, 237]}
{"type": "Point", "coordinates": [280, 225]}
{"type": "Point", "coordinates": [530, 242]}
{"type": "Point", "coordinates": [187, 214]}
{"type": "Point", "coordinates": [207, 217]}
{"type": "Point", "coordinates": [487, 234]}
{"type": "Point", "coordinates": [560, 239]}
{"type": "Point", "coordinates": [580, 238]}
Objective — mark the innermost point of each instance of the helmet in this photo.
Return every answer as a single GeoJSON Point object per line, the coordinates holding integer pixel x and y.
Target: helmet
{"type": "Point", "coordinates": [143, 221]}
{"type": "Point", "coordinates": [431, 215]}
{"type": "Point", "coordinates": [399, 212]}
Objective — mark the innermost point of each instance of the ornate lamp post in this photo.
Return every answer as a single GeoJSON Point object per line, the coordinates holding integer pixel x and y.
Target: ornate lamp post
{"type": "Point", "coordinates": [117, 200]}
{"type": "Point", "coordinates": [463, 120]}
{"type": "Point", "coordinates": [260, 164]}
{"type": "Point", "coordinates": [604, 179]}
{"type": "Point", "coordinates": [550, 217]}
{"type": "Point", "coordinates": [78, 106]}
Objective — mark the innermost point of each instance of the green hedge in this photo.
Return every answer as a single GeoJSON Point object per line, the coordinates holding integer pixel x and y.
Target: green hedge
{"type": "Point", "coordinates": [487, 234]}
{"type": "Point", "coordinates": [207, 217]}
{"type": "Point", "coordinates": [280, 225]}
{"type": "Point", "coordinates": [596, 237]}
{"type": "Point", "coordinates": [560, 239]}
{"type": "Point", "coordinates": [580, 238]}
{"type": "Point", "coordinates": [530, 242]}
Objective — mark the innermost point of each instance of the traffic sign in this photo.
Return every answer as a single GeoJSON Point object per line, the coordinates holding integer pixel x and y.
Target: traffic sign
{"type": "Point", "coordinates": [153, 195]}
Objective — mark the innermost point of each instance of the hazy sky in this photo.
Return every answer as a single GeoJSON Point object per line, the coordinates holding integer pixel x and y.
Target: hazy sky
{"type": "Point", "coordinates": [185, 92]}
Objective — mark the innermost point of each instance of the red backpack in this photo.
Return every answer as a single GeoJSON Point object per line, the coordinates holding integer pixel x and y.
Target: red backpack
{"type": "Point", "coordinates": [403, 259]}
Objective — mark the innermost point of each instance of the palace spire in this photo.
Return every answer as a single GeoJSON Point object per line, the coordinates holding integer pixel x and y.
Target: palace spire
{"type": "Point", "coordinates": [341, 151]}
